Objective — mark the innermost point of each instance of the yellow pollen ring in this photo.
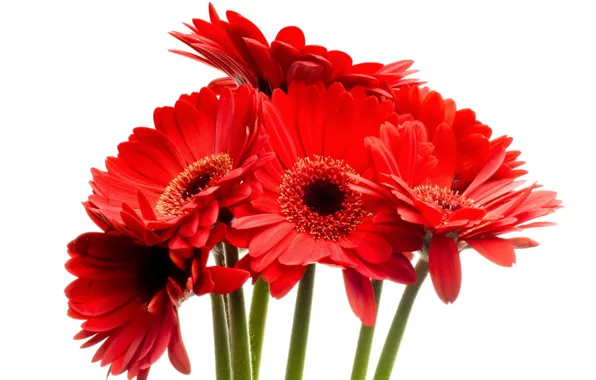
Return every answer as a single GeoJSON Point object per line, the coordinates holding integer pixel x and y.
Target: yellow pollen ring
{"type": "Point", "coordinates": [197, 177]}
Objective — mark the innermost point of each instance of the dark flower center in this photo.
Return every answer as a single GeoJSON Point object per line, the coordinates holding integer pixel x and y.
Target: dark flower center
{"type": "Point", "coordinates": [323, 197]}
{"type": "Point", "coordinates": [154, 269]}
{"type": "Point", "coordinates": [316, 196]}
{"type": "Point", "coordinates": [196, 185]}
{"type": "Point", "coordinates": [197, 177]}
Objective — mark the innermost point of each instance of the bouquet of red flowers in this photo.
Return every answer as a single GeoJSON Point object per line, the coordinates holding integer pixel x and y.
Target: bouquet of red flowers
{"type": "Point", "coordinates": [297, 157]}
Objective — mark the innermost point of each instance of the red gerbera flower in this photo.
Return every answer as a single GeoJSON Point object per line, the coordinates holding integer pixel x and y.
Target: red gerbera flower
{"type": "Point", "coordinates": [308, 213]}
{"type": "Point", "coordinates": [469, 137]}
{"type": "Point", "coordinates": [238, 48]}
{"type": "Point", "coordinates": [486, 208]}
{"type": "Point", "coordinates": [175, 181]}
{"type": "Point", "coordinates": [128, 294]}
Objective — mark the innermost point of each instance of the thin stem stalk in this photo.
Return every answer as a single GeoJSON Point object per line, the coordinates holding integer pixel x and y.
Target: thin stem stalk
{"type": "Point", "coordinates": [398, 326]}
{"type": "Point", "coordinates": [240, 347]}
{"type": "Point", "coordinates": [299, 338]}
{"type": "Point", "coordinates": [362, 356]}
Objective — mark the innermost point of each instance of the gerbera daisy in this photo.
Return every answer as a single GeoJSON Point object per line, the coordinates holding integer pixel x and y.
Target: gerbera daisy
{"type": "Point", "coordinates": [238, 48]}
{"type": "Point", "coordinates": [471, 138]}
{"type": "Point", "coordinates": [128, 296]}
{"type": "Point", "coordinates": [176, 181]}
{"type": "Point", "coordinates": [474, 217]}
{"type": "Point", "coordinates": [308, 213]}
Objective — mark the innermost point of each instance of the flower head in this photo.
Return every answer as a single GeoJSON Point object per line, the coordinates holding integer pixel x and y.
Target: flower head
{"type": "Point", "coordinates": [465, 150]}
{"type": "Point", "coordinates": [128, 296]}
{"type": "Point", "coordinates": [238, 48]}
{"type": "Point", "coordinates": [455, 216]}
{"type": "Point", "coordinates": [175, 182]}
{"type": "Point", "coordinates": [308, 212]}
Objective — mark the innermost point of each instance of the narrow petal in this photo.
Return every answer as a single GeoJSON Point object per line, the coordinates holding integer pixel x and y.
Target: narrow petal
{"type": "Point", "coordinates": [258, 220]}
{"type": "Point", "coordinates": [360, 296]}
{"type": "Point", "coordinates": [445, 267]}
{"type": "Point", "coordinates": [177, 352]}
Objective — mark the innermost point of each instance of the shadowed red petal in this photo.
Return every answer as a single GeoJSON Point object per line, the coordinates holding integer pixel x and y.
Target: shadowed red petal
{"type": "Point", "coordinates": [284, 283]}
{"type": "Point", "coordinates": [177, 352]}
{"type": "Point", "coordinates": [361, 296]}
{"type": "Point", "coordinates": [444, 267]}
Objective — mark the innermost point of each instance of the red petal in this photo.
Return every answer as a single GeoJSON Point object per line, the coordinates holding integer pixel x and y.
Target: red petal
{"type": "Point", "coordinates": [487, 171]}
{"type": "Point", "coordinates": [468, 213]}
{"type": "Point", "coordinates": [499, 251]}
{"type": "Point", "coordinates": [177, 352]}
{"type": "Point", "coordinates": [290, 277]}
{"type": "Point", "coordinates": [265, 240]}
{"type": "Point", "coordinates": [299, 251]}
{"type": "Point", "coordinates": [523, 242]}
{"type": "Point", "coordinates": [361, 296]}
{"type": "Point", "coordinates": [227, 280]}
{"type": "Point", "coordinates": [445, 152]}
{"type": "Point", "coordinates": [445, 267]}
{"type": "Point", "coordinates": [370, 247]}
{"type": "Point", "coordinates": [240, 238]}
{"type": "Point", "coordinates": [258, 220]}
{"type": "Point", "coordinates": [291, 35]}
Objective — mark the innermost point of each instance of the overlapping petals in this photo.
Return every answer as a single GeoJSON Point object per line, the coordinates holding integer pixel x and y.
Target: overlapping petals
{"type": "Point", "coordinates": [466, 149]}
{"type": "Point", "coordinates": [175, 182]}
{"type": "Point", "coordinates": [308, 211]}
{"type": "Point", "coordinates": [455, 217]}
{"type": "Point", "coordinates": [238, 48]}
{"type": "Point", "coordinates": [128, 296]}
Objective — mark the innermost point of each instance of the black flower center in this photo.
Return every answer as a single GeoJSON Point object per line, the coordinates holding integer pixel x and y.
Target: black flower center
{"type": "Point", "coordinates": [154, 270]}
{"type": "Point", "coordinates": [315, 196]}
{"type": "Point", "coordinates": [323, 197]}
{"type": "Point", "coordinates": [195, 186]}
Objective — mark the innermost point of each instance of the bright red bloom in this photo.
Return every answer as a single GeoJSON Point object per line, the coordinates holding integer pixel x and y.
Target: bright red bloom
{"type": "Point", "coordinates": [474, 217]}
{"type": "Point", "coordinates": [175, 182]}
{"type": "Point", "coordinates": [128, 296]}
{"type": "Point", "coordinates": [470, 138]}
{"type": "Point", "coordinates": [238, 48]}
{"type": "Point", "coordinates": [308, 213]}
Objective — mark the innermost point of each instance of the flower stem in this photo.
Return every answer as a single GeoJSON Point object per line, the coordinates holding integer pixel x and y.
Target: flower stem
{"type": "Point", "coordinates": [220, 338]}
{"type": "Point", "coordinates": [365, 339]}
{"type": "Point", "coordinates": [241, 363]}
{"type": "Point", "coordinates": [299, 339]}
{"type": "Point", "coordinates": [398, 326]}
{"type": "Point", "coordinates": [256, 322]}
{"type": "Point", "coordinates": [220, 259]}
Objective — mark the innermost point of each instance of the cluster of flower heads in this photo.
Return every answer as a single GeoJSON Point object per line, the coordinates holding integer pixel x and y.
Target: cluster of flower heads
{"type": "Point", "coordinates": [302, 157]}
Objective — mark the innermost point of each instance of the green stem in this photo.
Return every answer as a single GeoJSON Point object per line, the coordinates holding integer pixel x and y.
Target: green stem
{"type": "Point", "coordinates": [299, 339]}
{"type": "Point", "coordinates": [220, 338]}
{"type": "Point", "coordinates": [220, 259]}
{"type": "Point", "coordinates": [365, 340]}
{"type": "Point", "coordinates": [256, 322]}
{"type": "Point", "coordinates": [241, 363]}
{"type": "Point", "coordinates": [398, 326]}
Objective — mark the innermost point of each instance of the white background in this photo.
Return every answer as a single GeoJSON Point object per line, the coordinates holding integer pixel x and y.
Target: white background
{"type": "Point", "coordinates": [77, 76]}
